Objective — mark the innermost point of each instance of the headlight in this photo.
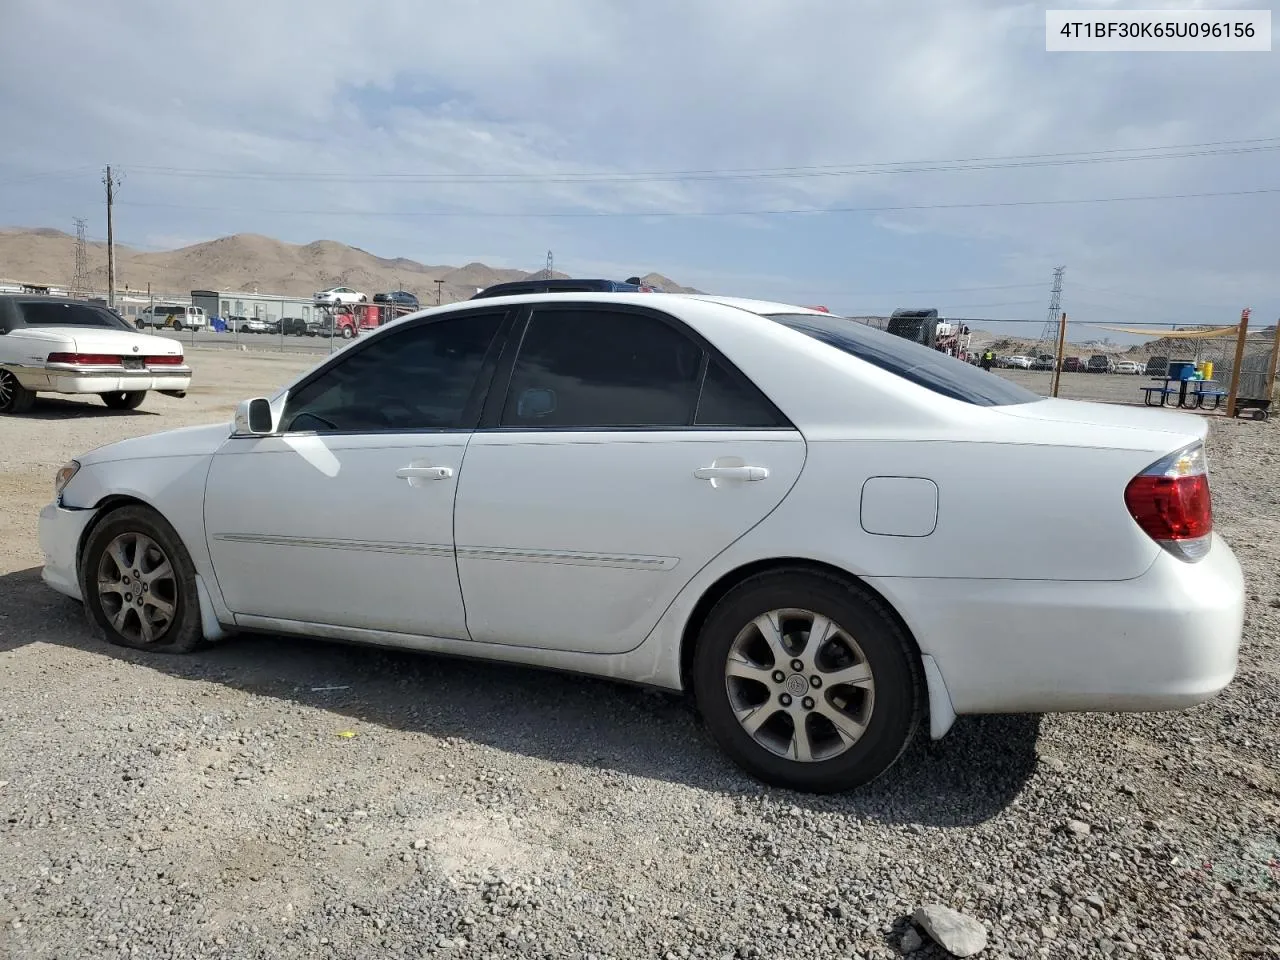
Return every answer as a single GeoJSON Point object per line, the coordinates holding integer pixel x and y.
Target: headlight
{"type": "Point", "coordinates": [64, 476]}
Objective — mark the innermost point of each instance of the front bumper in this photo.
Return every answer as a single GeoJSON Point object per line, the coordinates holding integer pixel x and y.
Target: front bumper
{"type": "Point", "coordinates": [60, 532]}
{"type": "Point", "coordinates": [1166, 640]}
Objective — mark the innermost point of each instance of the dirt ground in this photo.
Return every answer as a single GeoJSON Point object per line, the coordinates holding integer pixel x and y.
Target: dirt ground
{"type": "Point", "coordinates": [291, 798]}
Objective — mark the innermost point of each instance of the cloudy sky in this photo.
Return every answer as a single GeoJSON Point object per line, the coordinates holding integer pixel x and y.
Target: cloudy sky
{"type": "Point", "coordinates": [937, 141]}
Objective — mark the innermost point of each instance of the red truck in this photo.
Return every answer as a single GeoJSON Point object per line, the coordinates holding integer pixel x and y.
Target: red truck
{"type": "Point", "coordinates": [352, 319]}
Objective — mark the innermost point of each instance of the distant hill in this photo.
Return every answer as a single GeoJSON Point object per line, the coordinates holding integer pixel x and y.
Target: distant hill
{"type": "Point", "coordinates": [247, 261]}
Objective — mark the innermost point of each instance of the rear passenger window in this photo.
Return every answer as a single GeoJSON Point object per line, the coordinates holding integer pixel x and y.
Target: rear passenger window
{"type": "Point", "coordinates": [728, 399]}
{"type": "Point", "coordinates": [602, 369]}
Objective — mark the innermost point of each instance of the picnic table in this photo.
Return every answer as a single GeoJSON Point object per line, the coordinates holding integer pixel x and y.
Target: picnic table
{"type": "Point", "coordinates": [1191, 394]}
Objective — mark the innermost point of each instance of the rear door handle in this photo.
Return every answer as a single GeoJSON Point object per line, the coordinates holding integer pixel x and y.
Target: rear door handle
{"type": "Point", "coordinates": [424, 473]}
{"type": "Point", "coordinates": [731, 473]}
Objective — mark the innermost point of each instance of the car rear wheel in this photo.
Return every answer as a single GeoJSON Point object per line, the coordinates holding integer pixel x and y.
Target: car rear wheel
{"type": "Point", "coordinates": [124, 399]}
{"type": "Point", "coordinates": [807, 683]}
{"type": "Point", "coordinates": [14, 397]}
{"type": "Point", "coordinates": [139, 583]}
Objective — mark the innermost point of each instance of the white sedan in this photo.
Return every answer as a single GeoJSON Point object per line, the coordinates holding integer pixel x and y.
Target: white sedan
{"type": "Point", "coordinates": [780, 510]}
{"type": "Point", "coordinates": [56, 345]}
{"type": "Point", "coordinates": [336, 295]}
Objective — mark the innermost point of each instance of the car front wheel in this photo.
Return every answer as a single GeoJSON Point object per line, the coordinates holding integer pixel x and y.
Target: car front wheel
{"type": "Point", "coordinates": [139, 583]}
{"type": "Point", "coordinates": [14, 397]}
{"type": "Point", "coordinates": [807, 683]}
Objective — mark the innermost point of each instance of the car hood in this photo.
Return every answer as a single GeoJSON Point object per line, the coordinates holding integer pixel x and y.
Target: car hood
{"type": "Point", "coordinates": [1116, 420]}
{"type": "Point", "coordinates": [197, 441]}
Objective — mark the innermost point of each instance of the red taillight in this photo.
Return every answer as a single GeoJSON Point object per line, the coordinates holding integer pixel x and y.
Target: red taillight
{"type": "Point", "coordinates": [1171, 502]}
{"type": "Point", "coordinates": [86, 359]}
{"type": "Point", "coordinates": [167, 359]}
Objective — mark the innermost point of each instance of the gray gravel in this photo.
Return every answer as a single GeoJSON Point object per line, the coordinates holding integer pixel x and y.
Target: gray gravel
{"type": "Point", "coordinates": [210, 806]}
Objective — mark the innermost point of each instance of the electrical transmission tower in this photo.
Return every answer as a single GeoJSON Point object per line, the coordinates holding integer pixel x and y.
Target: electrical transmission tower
{"type": "Point", "coordinates": [1050, 331]}
{"type": "Point", "coordinates": [80, 282]}
{"type": "Point", "coordinates": [550, 266]}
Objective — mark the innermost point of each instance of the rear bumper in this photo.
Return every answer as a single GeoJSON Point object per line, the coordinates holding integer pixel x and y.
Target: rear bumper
{"type": "Point", "coordinates": [1163, 641]}
{"type": "Point", "coordinates": [60, 533]}
{"type": "Point", "coordinates": [65, 378]}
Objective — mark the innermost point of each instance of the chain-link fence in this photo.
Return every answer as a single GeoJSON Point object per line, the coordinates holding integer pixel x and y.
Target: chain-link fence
{"type": "Point", "coordinates": [1151, 373]}
{"type": "Point", "coordinates": [1097, 369]}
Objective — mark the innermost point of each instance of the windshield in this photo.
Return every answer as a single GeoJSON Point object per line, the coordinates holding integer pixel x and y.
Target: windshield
{"type": "Point", "coordinates": [51, 313]}
{"type": "Point", "coordinates": [915, 362]}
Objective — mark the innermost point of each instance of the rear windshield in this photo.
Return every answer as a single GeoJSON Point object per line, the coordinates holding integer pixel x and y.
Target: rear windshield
{"type": "Point", "coordinates": [43, 313]}
{"type": "Point", "coordinates": [915, 362]}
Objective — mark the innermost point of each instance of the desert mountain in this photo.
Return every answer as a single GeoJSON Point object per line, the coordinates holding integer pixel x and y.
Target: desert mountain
{"type": "Point", "coordinates": [248, 262]}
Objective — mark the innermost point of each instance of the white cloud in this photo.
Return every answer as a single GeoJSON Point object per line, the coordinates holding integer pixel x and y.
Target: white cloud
{"type": "Point", "coordinates": [571, 86]}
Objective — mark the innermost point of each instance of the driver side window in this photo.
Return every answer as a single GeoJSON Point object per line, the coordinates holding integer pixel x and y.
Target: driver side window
{"type": "Point", "coordinates": [416, 379]}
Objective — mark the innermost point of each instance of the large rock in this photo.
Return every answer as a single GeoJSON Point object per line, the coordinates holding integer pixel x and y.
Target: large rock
{"type": "Point", "coordinates": [953, 931]}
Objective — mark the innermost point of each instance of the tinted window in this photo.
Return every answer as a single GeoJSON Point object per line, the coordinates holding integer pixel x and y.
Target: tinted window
{"type": "Point", "coordinates": [919, 364]}
{"type": "Point", "coordinates": [416, 379]}
{"type": "Point", "coordinates": [602, 368]}
{"type": "Point", "coordinates": [728, 399]}
{"type": "Point", "coordinates": [46, 313]}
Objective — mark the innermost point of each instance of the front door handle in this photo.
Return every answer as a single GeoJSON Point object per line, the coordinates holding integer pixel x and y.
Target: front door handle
{"type": "Point", "coordinates": [731, 473]}
{"type": "Point", "coordinates": [424, 473]}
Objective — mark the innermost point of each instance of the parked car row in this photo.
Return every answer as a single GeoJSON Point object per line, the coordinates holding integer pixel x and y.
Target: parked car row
{"type": "Point", "coordinates": [1097, 363]}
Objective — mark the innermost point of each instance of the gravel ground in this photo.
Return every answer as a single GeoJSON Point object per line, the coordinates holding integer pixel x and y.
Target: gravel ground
{"type": "Point", "coordinates": [286, 798]}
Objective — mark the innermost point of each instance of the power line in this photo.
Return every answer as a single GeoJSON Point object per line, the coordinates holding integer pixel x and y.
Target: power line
{"type": "Point", "coordinates": [1114, 155]}
{"type": "Point", "coordinates": [494, 214]}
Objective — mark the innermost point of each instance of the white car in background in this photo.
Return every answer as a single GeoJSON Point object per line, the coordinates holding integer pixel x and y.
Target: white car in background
{"type": "Point", "coordinates": [340, 295]}
{"type": "Point", "coordinates": [780, 510]}
{"type": "Point", "coordinates": [1130, 367]}
{"type": "Point", "coordinates": [56, 345]}
{"type": "Point", "coordinates": [1024, 363]}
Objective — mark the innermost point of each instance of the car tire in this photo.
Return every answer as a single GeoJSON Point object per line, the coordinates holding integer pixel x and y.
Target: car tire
{"type": "Point", "coordinates": [135, 544]}
{"type": "Point", "coordinates": [124, 399]}
{"type": "Point", "coordinates": [348, 332]}
{"type": "Point", "coordinates": [14, 397]}
{"type": "Point", "coordinates": [878, 711]}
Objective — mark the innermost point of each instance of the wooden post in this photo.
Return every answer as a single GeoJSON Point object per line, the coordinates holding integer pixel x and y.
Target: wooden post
{"type": "Point", "coordinates": [1062, 346]}
{"type": "Point", "coordinates": [1242, 331]}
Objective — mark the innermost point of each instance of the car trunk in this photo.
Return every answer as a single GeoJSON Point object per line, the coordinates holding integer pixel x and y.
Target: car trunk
{"type": "Point", "coordinates": [1163, 429]}
{"type": "Point", "coordinates": [121, 342]}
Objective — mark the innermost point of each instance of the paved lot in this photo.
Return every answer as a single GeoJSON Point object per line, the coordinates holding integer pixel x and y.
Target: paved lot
{"type": "Point", "coordinates": [209, 806]}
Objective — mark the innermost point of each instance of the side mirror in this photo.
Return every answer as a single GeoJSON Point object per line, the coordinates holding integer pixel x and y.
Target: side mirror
{"type": "Point", "coordinates": [253, 417]}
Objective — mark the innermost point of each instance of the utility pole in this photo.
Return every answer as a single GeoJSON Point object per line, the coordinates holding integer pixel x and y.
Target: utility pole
{"type": "Point", "coordinates": [112, 183]}
{"type": "Point", "coordinates": [80, 282]}
{"type": "Point", "coordinates": [439, 285]}
{"type": "Point", "coordinates": [1062, 345]}
{"type": "Point", "coordinates": [550, 265]}
{"type": "Point", "coordinates": [1055, 305]}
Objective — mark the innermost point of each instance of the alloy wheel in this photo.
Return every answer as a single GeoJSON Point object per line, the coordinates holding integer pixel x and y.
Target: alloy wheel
{"type": "Point", "coordinates": [137, 588]}
{"type": "Point", "coordinates": [800, 685]}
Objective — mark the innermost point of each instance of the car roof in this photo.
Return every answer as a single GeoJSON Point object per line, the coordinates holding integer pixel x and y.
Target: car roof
{"type": "Point", "coordinates": [635, 297]}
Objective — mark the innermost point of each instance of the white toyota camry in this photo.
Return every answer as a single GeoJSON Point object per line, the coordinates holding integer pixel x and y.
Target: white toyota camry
{"type": "Point", "coordinates": [784, 512]}
{"type": "Point", "coordinates": [56, 345]}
